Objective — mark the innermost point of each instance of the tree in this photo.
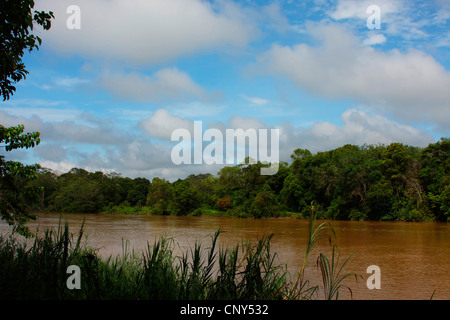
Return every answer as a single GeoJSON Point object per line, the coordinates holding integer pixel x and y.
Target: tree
{"type": "Point", "coordinates": [45, 182]}
{"type": "Point", "coordinates": [78, 191]}
{"type": "Point", "coordinates": [264, 204]}
{"type": "Point", "coordinates": [186, 199]}
{"type": "Point", "coordinates": [435, 176]}
{"type": "Point", "coordinates": [16, 23]}
{"type": "Point", "coordinates": [160, 196]}
{"type": "Point", "coordinates": [137, 195]}
{"type": "Point", "coordinates": [395, 163]}
{"type": "Point", "coordinates": [300, 154]}
{"type": "Point", "coordinates": [13, 210]}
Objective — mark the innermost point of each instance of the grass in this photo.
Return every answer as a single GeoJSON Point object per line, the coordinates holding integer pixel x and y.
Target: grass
{"type": "Point", "coordinates": [247, 271]}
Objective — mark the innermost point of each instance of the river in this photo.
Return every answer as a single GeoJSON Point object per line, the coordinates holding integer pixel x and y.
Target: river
{"type": "Point", "coordinates": [414, 258]}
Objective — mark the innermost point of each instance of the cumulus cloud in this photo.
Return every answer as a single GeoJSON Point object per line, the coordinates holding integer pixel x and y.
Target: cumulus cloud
{"type": "Point", "coordinates": [51, 152]}
{"type": "Point", "coordinates": [374, 39]}
{"type": "Point", "coordinates": [410, 85]}
{"type": "Point", "coordinates": [145, 32]}
{"type": "Point", "coordinates": [58, 166]}
{"type": "Point", "coordinates": [140, 157]}
{"type": "Point", "coordinates": [404, 19]}
{"type": "Point", "coordinates": [358, 128]}
{"type": "Point", "coordinates": [245, 123]}
{"type": "Point", "coordinates": [274, 18]}
{"type": "Point", "coordinates": [165, 85]}
{"type": "Point", "coordinates": [161, 124]}
{"type": "Point", "coordinates": [66, 130]}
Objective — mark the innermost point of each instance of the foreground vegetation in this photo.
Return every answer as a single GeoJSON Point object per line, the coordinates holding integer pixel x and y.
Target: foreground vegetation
{"type": "Point", "coordinates": [247, 271]}
{"type": "Point", "coordinates": [394, 182]}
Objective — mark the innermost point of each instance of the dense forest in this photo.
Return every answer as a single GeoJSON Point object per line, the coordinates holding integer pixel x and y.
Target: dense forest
{"type": "Point", "coordinates": [394, 182]}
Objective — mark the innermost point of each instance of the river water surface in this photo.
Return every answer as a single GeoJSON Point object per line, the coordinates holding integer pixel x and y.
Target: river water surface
{"type": "Point", "coordinates": [414, 258]}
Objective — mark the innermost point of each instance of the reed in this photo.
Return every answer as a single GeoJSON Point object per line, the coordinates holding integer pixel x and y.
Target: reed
{"type": "Point", "coordinates": [247, 271]}
{"type": "Point", "coordinates": [332, 274]}
{"type": "Point", "coordinates": [301, 288]}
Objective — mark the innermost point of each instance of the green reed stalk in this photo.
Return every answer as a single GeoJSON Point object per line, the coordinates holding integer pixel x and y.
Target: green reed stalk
{"type": "Point", "coordinates": [315, 233]}
{"type": "Point", "coordinates": [332, 276]}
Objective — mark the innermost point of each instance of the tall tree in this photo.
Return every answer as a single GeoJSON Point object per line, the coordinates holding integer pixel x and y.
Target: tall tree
{"type": "Point", "coordinates": [17, 19]}
{"type": "Point", "coordinates": [160, 196]}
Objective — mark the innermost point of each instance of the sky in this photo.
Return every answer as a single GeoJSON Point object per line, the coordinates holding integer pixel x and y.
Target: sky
{"type": "Point", "coordinates": [112, 81]}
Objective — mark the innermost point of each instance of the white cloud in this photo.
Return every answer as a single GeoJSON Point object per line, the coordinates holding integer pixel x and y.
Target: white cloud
{"type": "Point", "coordinates": [245, 123]}
{"type": "Point", "coordinates": [404, 19]}
{"type": "Point", "coordinates": [138, 156]}
{"type": "Point", "coordinates": [68, 82]}
{"type": "Point", "coordinates": [411, 85]}
{"type": "Point", "coordinates": [358, 128]}
{"type": "Point", "coordinates": [165, 85]}
{"type": "Point", "coordinates": [198, 109]}
{"type": "Point", "coordinates": [347, 9]}
{"type": "Point", "coordinates": [443, 12]}
{"type": "Point", "coordinates": [52, 152]}
{"type": "Point", "coordinates": [34, 103]}
{"type": "Point", "coordinates": [71, 130]}
{"type": "Point", "coordinates": [145, 32]}
{"type": "Point", "coordinates": [58, 166]}
{"type": "Point", "coordinates": [161, 124]}
{"type": "Point", "coordinates": [256, 100]}
{"type": "Point", "coordinates": [444, 40]}
{"type": "Point", "coordinates": [374, 39]}
{"type": "Point", "coordinates": [65, 82]}
{"type": "Point", "coordinates": [274, 18]}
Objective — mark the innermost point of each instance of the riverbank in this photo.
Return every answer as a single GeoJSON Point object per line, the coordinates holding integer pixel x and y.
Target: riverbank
{"type": "Point", "coordinates": [197, 212]}
{"type": "Point", "coordinates": [144, 210]}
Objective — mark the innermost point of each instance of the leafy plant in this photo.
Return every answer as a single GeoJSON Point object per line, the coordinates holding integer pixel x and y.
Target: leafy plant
{"type": "Point", "coordinates": [332, 276]}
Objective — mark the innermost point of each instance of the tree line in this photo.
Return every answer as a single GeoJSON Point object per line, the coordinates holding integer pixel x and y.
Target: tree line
{"type": "Point", "coordinates": [396, 182]}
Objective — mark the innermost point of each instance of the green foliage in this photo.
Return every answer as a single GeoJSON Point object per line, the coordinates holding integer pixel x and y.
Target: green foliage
{"type": "Point", "coordinates": [16, 24]}
{"type": "Point", "coordinates": [39, 270]}
{"type": "Point", "coordinates": [434, 176]}
{"type": "Point", "coordinates": [160, 196]}
{"type": "Point", "coordinates": [332, 275]}
{"type": "Point", "coordinates": [17, 20]}
{"type": "Point", "coordinates": [80, 191]}
{"type": "Point", "coordinates": [15, 194]}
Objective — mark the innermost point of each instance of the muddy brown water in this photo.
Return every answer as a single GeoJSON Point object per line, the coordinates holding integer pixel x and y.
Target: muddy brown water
{"type": "Point", "coordinates": [414, 258]}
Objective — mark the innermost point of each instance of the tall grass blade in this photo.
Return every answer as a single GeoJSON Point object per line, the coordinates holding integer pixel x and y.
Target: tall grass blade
{"type": "Point", "coordinates": [332, 276]}
{"type": "Point", "coordinates": [315, 233]}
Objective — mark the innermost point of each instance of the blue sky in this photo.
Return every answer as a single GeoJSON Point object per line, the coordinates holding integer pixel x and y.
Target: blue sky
{"type": "Point", "coordinates": [108, 95]}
